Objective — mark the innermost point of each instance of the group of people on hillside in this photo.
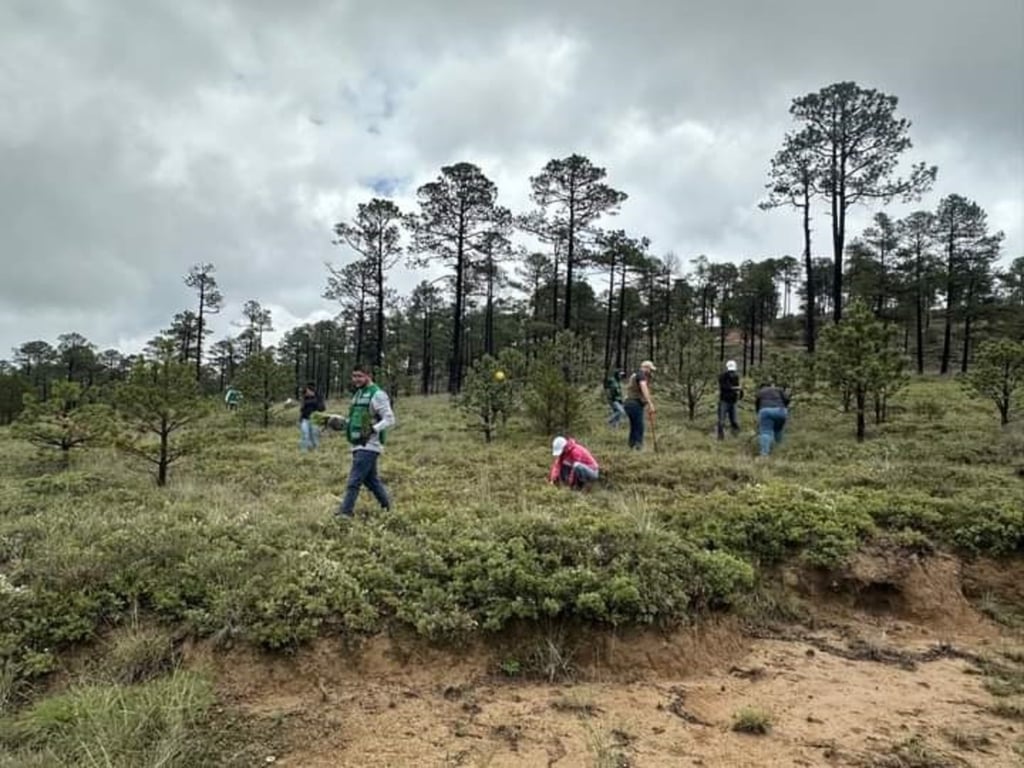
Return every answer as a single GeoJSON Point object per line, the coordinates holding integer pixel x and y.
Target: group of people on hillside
{"type": "Point", "coordinates": [370, 416]}
{"type": "Point", "coordinates": [576, 467]}
{"type": "Point", "coordinates": [771, 404]}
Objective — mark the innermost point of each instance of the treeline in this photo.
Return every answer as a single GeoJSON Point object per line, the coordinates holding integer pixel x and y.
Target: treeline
{"type": "Point", "coordinates": [514, 280]}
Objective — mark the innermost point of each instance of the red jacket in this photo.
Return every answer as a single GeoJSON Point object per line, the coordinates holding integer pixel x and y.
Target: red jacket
{"type": "Point", "coordinates": [572, 453]}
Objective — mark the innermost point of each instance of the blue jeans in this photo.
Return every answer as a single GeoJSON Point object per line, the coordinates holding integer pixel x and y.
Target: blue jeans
{"type": "Point", "coordinates": [309, 436]}
{"type": "Point", "coordinates": [771, 422]}
{"type": "Point", "coordinates": [635, 412]}
{"type": "Point", "coordinates": [617, 413]}
{"type": "Point", "coordinates": [583, 474]}
{"type": "Point", "coordinates": [727, 411]}
{"type": "Point", "coordinates": [364, 472]}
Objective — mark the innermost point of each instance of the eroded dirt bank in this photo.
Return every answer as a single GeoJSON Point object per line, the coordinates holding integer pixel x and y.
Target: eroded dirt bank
{"type": "Point", "coordinates": [888, 672]}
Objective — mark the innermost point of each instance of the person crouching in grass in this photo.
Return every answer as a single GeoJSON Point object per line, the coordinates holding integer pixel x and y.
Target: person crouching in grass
{"type": "Point", "coordinates": [574, 465]}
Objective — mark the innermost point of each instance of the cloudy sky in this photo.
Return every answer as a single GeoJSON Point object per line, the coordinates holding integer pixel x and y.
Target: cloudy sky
{"type": "Point", "coordinates": [140, 137]}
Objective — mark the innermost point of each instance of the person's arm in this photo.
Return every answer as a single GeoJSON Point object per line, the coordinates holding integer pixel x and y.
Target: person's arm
{"type": "Point", "coordinates": [757, 401]}
{"type": "Point", "coordinates": [382, 408]}
{"type": "Point", "coordinates": [553, 474]}
{"type": "Point", "coordinates": [646, 392]}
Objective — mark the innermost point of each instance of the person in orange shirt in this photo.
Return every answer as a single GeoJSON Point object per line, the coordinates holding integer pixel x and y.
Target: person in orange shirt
{"type": "Point", "coordinates": [574, 465]}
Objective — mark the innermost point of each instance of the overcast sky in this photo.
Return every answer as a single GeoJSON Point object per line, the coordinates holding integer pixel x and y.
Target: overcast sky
{"type": "Point", "coordinates": [140, 137]}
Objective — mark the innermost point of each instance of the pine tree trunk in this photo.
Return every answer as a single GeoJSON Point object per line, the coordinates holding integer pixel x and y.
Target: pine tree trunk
{"type": "Point", "coordinates": [608, 319]}
{"type": "Point", "coordinates": [455, 367]}
{"type": "Point", "coordinates": [810, 309]}
{"type": "Point", "coordinates": [861, 427]}
{"type": "Point", "coordinates": [161, 476]}
{"type": "Point", "coordinates": [199, 330]}
{"type": "Point", "coordinates": [619, 361]}
{"type": "Point", "coordinates": [969, 312]}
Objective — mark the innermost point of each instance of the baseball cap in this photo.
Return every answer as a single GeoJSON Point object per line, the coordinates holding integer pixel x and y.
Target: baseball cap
{"type": "Point", "coordinates": [558, 445]}
{"type": "Point", "coordinates": [648, 364]}
{"type": "Point", "coordinates": [730, 365]}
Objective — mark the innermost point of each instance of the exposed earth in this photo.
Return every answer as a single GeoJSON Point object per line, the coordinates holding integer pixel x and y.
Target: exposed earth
{"type": "Point", "coordinates": [885, 670]}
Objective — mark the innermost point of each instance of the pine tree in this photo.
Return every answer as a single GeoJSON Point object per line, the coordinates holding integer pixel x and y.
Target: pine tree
{"type": "Point", "coordinates": [158, 404]}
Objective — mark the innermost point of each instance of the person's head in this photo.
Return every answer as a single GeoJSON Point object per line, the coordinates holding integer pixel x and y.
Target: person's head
{"type": "Point", "coordinates": [558, 445]}
{"type": "Point", "coordinates": [361, 376]}
{"type": "Point", "coordinates": [309, 389]}
{"type": "Point", "coordinates": [764, 384]}
{"type": "Point", "coordinates": [648, 367]}
{"type": "Point", "coordinates": [730, 365]}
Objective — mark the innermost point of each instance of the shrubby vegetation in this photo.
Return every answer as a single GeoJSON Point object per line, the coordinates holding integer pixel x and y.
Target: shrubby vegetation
{"type": "Point", "coordinates": [242, 544]}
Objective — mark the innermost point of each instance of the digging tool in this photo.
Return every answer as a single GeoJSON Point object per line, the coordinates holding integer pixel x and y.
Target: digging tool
{"type": "Point", "coordinates": [654, 433]}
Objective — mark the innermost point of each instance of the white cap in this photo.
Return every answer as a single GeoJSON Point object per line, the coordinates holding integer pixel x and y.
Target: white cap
{"type": "Point", "coordinates": [730, 365]}
{"type": "Point", "coordinates": [558, 445]}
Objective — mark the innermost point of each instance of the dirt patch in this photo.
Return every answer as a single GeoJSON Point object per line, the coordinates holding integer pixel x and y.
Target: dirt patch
{"type": "Point", "coordinates": [583, 655]}
{"type": "Point", "coordinates": [890, 675]}
{"type": "Point", "coordinates": [1002, 578]}
{"type": "Point", "coordinates": [824, 709]}
{"type": "Point", "coordinates": [927, 591]}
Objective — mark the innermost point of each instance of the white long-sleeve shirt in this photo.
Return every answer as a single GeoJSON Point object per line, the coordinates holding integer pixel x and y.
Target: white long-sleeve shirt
{"type": "Point", "coordinates": [383, 418]}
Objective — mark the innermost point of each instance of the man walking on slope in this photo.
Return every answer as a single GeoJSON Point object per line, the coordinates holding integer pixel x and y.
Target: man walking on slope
{"type": "Point", "coordinates": [369, 418]}
{"type": "Point", "coordinates": [638, 396]}
{"type": "Point", "coordinates": [574, 465]}
{"type": "Point", "coordinates": [729, 394]}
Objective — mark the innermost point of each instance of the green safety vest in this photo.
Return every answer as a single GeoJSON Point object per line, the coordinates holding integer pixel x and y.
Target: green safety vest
{"type": "Point", "coordinates": [360, 422]}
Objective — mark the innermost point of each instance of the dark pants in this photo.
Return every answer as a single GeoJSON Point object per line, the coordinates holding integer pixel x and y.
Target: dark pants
{"type": "Point", "coordinates": [771, 423]}
{"type": "Point", "coordinates": [635, 412]}
{"type": "Point", "coordinates": [364, 472]}
{"type": "Point", "coordinates": [583, 475]}
{"type": "Point", "coordinates": [727, 411]}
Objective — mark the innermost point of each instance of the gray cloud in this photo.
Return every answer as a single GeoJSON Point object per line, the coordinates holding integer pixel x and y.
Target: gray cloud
{"type": "Point", "coordinates": [141, 138]}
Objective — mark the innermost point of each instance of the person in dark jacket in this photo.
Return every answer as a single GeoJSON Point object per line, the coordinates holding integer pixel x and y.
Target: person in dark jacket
{"type": "Point", "coordinates": [309, 436]}
{"type": "Point", "coordinates": [772, 406]}
{"type": "Point", "coordinates": [613, 389]}
{"type": "Point", "coordinates": [729, 394]}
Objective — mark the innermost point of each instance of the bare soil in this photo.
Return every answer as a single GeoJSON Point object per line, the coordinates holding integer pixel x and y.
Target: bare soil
{"type": "Point", "coordinates": [887, 675]}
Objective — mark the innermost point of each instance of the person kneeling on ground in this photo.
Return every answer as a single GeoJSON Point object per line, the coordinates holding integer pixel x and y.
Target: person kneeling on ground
{"type": "Point", "coordinates": [772, 406]}
{"type": "Point", "coordinates": [574, 465]}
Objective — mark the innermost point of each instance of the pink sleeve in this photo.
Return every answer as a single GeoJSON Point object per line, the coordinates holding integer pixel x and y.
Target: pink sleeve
{"type": "Point", "coordinates": [553, 474]}
{"type": "Point", "coordinates": [585, 457]}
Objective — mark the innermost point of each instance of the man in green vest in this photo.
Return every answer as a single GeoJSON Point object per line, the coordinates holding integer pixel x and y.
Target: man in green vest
{"type": "Point", "coordinates": [232, 398]}
{"type": "Point", "coordinates": [369, 418]}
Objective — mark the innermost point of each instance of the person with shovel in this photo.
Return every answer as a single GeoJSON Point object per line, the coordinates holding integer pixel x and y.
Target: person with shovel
{"type": "Point", "coordinates": [638, 397]}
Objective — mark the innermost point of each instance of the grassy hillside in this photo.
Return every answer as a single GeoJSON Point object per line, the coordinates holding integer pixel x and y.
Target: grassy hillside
{"type": "Point", "coordinates": [242, 546]}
